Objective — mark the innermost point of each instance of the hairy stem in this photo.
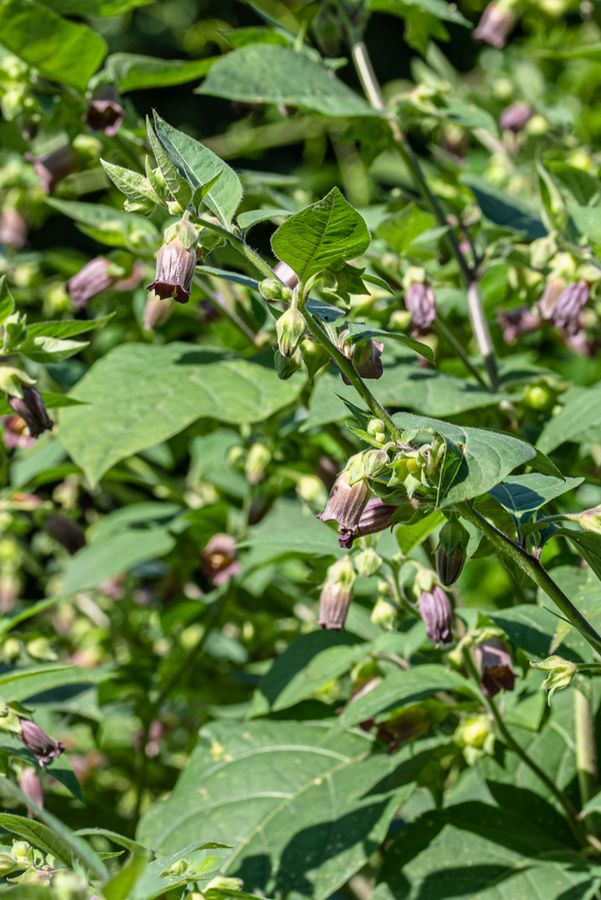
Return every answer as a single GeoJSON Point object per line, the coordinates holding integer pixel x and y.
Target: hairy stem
{"type": "Point", "coordinates": [532, 567]}
{"type": "Point", "coordinates": [517, 748]}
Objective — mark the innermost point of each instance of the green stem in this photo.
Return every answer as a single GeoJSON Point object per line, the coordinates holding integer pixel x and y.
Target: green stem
{"type": "Point", "coordinates": [346, 366]}
{"type": "Point", "coordinates": [586, 750]}
{"type": "Point", "coordinates": [532, 567]}
{"type": "Point", "coordinates": [231, 314]}
{"type": "Point", "coordinates": [373, 92]}
{"type": "Point", "coordinates": [517, 748]}
{"type": "Point", "coordinates": [445, 332]}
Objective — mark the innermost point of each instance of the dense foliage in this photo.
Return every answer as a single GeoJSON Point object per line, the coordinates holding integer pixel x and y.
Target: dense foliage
{"type": "Point", "coordinates": [300, 563]}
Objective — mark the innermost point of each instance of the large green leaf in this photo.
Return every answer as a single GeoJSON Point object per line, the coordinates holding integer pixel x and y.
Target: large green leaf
{"type": "Point", "coordinates": [286, 531]}
{"type": "Point", "coordinates": [94, 7]}
{"type": "Point", "coordinates": [199, 166]}
{"type": "Point", "coordinates": [138, 395]}
{"type": "Point", "coordinates": [304, 808]}
{"type": "Point", "coordinates": [522, 495]}
{"type": "Point", "coordinates": [62, 50]}
{"type": "Point", "coordinates": [404, 385]}
{"type": "Point", "coordinates": [110, 226]}
{"type": "Point", "coordinates": [318, 237]}
{"type": "Point", "coordinates": [20, 684]}
{"type": "Point", "coordinates": [402, 688]}
{"type": "Point", "coordinates": [487, 457]}
{"type": "Point", "coordinates": [267, 73]}
{"type": "Point", "coordinates": [579, 417]}
{"type": "Point", "coordinates": [134, 72]}
{"type": "Point", "coordinates": [480, 851]}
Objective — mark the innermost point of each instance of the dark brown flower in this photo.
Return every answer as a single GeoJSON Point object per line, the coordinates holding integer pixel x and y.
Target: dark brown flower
{"type": "Point", "coordinates": [54, 166]}
{"type": "Point", "coordinates": [376, 516]}
{"type": "Point", "coordinates": [91, 280]}
{"type": "Point", "coordinates": [66, 532]}
{"type": "Point", "coordinates": [31, 408]}
{"type": "Point", "coordinates": [104, 112]}
{"type": "Point", "coordinates": [515, 322]}
{"type": "Point", "coordinates": [495, 665]}
{"type": "Point", "coordinates": [174, 270]}
{"type": "Point", "coordinates": [219, 561]}
{"type": "Point", "coordinates": [366, 357]}
{"type": "Point", "coordinates": [495, 24]}
{"type": "Point", "coordinates": [346, 503]}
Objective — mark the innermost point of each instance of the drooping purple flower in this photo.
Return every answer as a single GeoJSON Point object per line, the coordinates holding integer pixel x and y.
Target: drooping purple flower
{"type": "Point", "coordinates": [174, 270]}
{"type": "Point", "coordinates": [336, 594]}
{"type": "Point", "coordinates": [566, 311]}
{"type": "Point", "coordinates": [219, 561]}
{"type": "Point", "coordinates": [346, 503]}
{"type": "Point", "coordinates": [376, 516]}
{"type": "Point", "coordinates": [516, 116]}
{"type": "Point", "coordinates": [286, 274]}
{"type": "Point", "coordinates": [515, 322]}
{"type": "Point", "coordinates": [54, 166]}
{"type": "Point", "coordinates": [15, 434]}
{"type": "Point", "coordinates": [421, 303]}
{"type": "Point", "coordinates": [66, 532]}
{"type": "Point", "coordinates": [31, 408]}
{"type": "Point", "coordinates": [92, 279]}
{"type": "Point", "coordinates": [494, 26]}
{"type": "Point", "coordinates": [437, 615]}
{"type": "Point", "coordinates": [43, 747]}
{"type": "Point", "coordinates": [13, 228]}
{"type": "Point", "coordinates": [104, 112]}
{"type": "Point", "coordinates": [31, 785]}
{"type": "Point", "coordinates": [495, 665]}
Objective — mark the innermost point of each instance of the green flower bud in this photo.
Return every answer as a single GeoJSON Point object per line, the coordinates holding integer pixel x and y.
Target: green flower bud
{"type": "Point", "coordinates": [560, 674]}
{"type": "Point", "coordinates": [289, 328]}
{"type": "Point", "coordinates": [384, 614]}
{"type": "Point", "coordinates": [365, 464]}
{"type": "Point", "coordinates": [7, 864]}
{"type": "Point", "coordinates": [377, 430]}
{"type": "Point", "coordinates": [588, 519]}
{"type": "Point", "coordinates": [21, 851]}
{"type": "Point", "coordinates": [314, 356]}
{"type": "Point", "coordinates": [286, 366]}
{"type": "Point", "coordinates": [473, 731]}
{"type": "Point", "coordinates": [179, 867]}
{"type": "Point", "coordinates": [452, 551]}
{"type": "Point", "coordinates": [272, 289]}
{"type": "Point", "coordinates": [311, 489]}
{"type": "Point", "coordinates": [367, 562]}
{"type": "Point", "coordinates": [257, 461]}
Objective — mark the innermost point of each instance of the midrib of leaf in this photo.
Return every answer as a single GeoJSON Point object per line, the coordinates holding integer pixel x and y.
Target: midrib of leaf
{"type": "Point", "coordinates": [194, 177]}
{"type": "Point", "coordinates": [323, 232]}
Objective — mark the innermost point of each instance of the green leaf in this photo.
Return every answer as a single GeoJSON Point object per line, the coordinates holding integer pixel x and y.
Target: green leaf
{"type": "Point", "coordinates": [588, 544]}
{"type": "Point", "coordinates": [307, 664]}
{"type": "Point", "coordinates": [406, 8]}
{"type": "Point", "coordinates": [139, 395]}
{"type": "Point", "coordinates": [208, 860]}
{"type": "Point", "coordinates": [580, 415]}
{"type": "Point", "coordinates": [288, 530]}
{"type": "Point", "coordinates": [38, 835]}
{"type": "Point", "coordinates": [7, 304]}
{"type": "Point", "coordinates": [587, 220]}
{"type": "Point", "coordinates": [410, 536]}
{"type": "Point", "coordinates": [402, 228]}
{"type": "Point", "coordinates": [110, 226]}
{"type": "Point", "coordinates": [133, 72]}
{"type": "Point", "coordinates": [487, 457]}
{"type": "Point", "coordinates": [266, 73]}
{"type": "Point", "coordinates": [321, 236]}
{"type": "Point", "coordinates": [199, 165]}
{"type": "Point", "coordinates": [478, 850]}
{"type": "Point", "coordinates": [522, 495]}
{"type": "Point", "coordinates": [21, 684]}
{"type": "Point", "coordinates": [134, 185]}
{"type": "Point", "coordinates": [62, 50]}
{"type": "Point", "coordinates": [66, 328]}
{"type": "Point", "coordinates": [43, 349]}
{"type": "Point", "coordinates": [424, 350]}
{"type": "Point", "coordinates": [402, 688]}
{"type": "Point", "coordinates": [282, 815]}
{"type": "Point", "coordinates": [95, 8]}
{"type": "Point", "coordinates": [248, 220]}
{"type": "Point", "coordinates": [505, 210]}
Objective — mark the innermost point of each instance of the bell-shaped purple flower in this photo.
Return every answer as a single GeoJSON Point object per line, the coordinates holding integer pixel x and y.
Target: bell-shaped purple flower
{"type": "Point", "coordinates": [421, 303]}
{"type": "Point", "coordinates": [346, 503]}
{"type": "Point", "coordinates": [174, 270]}
{"type": "Point", "coordinates": [104, 112]}
{"type": "Point", "coordinates": [515, 322]}
{"type": "Point", "coordinates": [66, 532]}
{"type": "Point", "coordinates": [54, 166]}
{"type": "Point", "coordinates": [13, 228]}
{"type": "Point", "coordinates": [336, 594]}
{"type": "Point", "coordinates": [94, 278]}
{"type": "Point", "coordinates": [437, 615]}
{"type": "Point", "coordinates": [31, 785]}
{"type": "Point", "coordinates": [31, 408]}
{"type": "Point", "coordinates": [376, 516]}
{"type": "Point", "coordinates": [515, 117]}
{"type": "Point", "coordinates": [43, 747]}
{"type": "Point", "coordinates": [565, 313]}
{"type": "Point", "coordinates": [219, 561]}
{"type": "Point", "coordinates": [495, 24]}
{"type": "Point", "coordinates": [495, 665]}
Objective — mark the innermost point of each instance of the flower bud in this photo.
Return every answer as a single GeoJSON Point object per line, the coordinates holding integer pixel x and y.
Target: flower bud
{"type": "Point", "coordinates": [219, 561]}
{"type": "Point", "coordinates": [437, 615]}
{"type": "Point", "coordinates": [7, 864]}
{"type": "Point", "coordinates": [515, 117]}
{"type": "Point", "coordinates": [565, 313]}
{"type": "Point", "coordinates": [366, 357]}
{"type": "Point", "coordinates": [21, 851]}
{"type": "Point", "coordinates": [473, 731]}
{"type": "Point", "coordinates": [286, 366]}
{"type": "Point", "coordinates": [54, 166]}
{"type": "Point", "coordinates": [289, 328]}
{"type": "Point", "coordinates": [346, 503]}
{"type": "Point", "coordinates": [368, 562]}
{"type": "Point", "coordinates": [515, 322]}
{"type": "Point", "coordinates": [311, 489]}
{"type": "Point", "coordinates": [286, 274]}
{"type": "Point", "coordinates": [66, 532]}
{"type": "Point", "coordinates": [313, 355]}
{"type": "Point", "coordinates": [104, 112]}
{"type": "Point", "coordinates": [94, 278]}
{"type": "Point", "coordinates": [176, 261]}
{"type": "Point", "coordinates": [257, 461]}
{"type": "Point", "coordinates": [421, 303]}
{"type": "Point", "coordinates": [495, 665]}
{"type": "Point", "coordinates": [43, 747]}
{"type": "Point", "coordinates": [588, 519]}
{"type": "Point", "coordinates": [494, 26]}
{"type": "Point", "coordinates": [272, 289]}
{"type": "Point", "coordinates": [336, 594]}
{"type": "Point", "coordinates": [13, 228]}
{"type": "Point", "coordinates": [31, 408]}
{"type": "Point", "coordinates": [452, 551]}
{"type": "Point", "coordinates": [384, 614]}
{"type": "Point", "coordinates": [560, 673]}
{"type": "Point", "coordinates": [31, 785]}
